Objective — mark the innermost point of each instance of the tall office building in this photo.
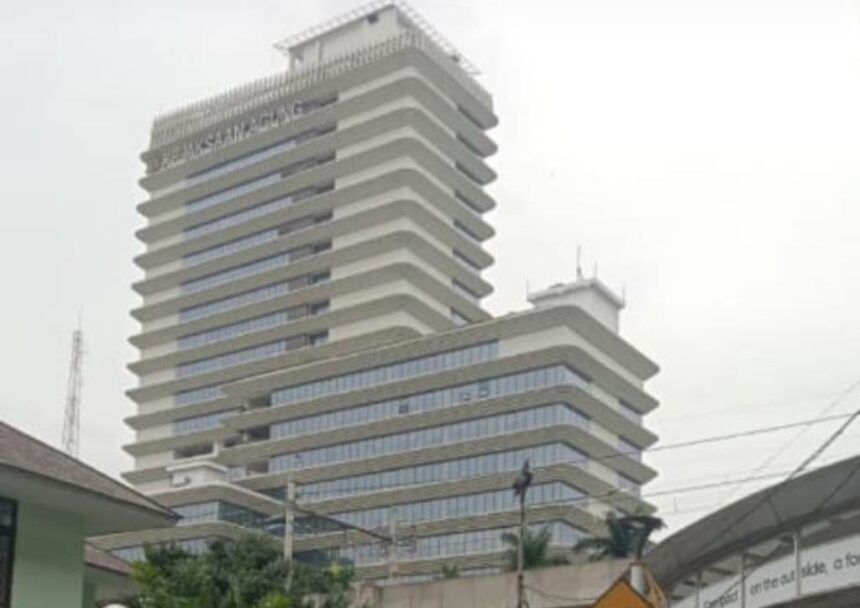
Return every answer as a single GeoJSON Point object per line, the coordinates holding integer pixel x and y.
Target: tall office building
{"type": "Point", "coordinates": [312, 315]}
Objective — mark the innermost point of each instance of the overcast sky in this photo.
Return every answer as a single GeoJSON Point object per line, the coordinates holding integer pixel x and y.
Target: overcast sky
{"type": "Point", "coordinates": [704, 153]}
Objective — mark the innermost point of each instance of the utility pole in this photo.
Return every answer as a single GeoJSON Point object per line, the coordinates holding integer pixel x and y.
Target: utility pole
{"type": "Point", "coordinates": [72, 415]}
{"type": "Point", "coordinates": [393, 553]}
{"type": "Point", "coordinates": [521, 486]}
{"type": "Point", "coordinates": [291, 508]}
{"type": "Point", "coordinates": [289, 519]}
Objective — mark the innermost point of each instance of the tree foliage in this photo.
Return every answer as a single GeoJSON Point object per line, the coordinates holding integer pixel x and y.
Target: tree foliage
{"type": "Point", "coordinates": [245, 573]}
{"type": "Point", "coordinates": [626, 538]}
{"type": "Point", "coordinates": [450, 571]}
{"type": "Point", "coordinates": [536, 549]}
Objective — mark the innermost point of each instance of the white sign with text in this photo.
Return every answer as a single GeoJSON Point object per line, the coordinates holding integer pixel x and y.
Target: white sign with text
{"type": "Point", "coordinates": [823, 568]}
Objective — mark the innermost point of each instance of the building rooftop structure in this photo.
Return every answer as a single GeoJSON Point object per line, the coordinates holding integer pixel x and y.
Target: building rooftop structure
{"type": "Point", "coordinates": [169, 129]}
{"type": "Point", "coordinates": [406, 15]}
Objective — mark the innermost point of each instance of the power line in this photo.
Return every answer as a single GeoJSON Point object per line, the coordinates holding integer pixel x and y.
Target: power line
{"type": "Point", "coordinates": [832, 404]}
{"type": "Point", "coordinates": [769, 492]}
{"type": "Point", "coordinates": [674, 446]}
{"type": "Point", "coordinates": [659, 418]}
{"type": "Point", "coordinates": [766, 559]}
{"type": "Point", "coordinates": [613, 494]}
{"type": "Point", "coordinates": [731, 436]}
{"type": "Point", "coordinates": [664, 513]}
{"type": "Point", "coordinates": [617, 493]}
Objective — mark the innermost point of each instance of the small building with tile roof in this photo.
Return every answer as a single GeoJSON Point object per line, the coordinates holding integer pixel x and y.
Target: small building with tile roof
{"type": "Point", "coordinates": [49, 504]}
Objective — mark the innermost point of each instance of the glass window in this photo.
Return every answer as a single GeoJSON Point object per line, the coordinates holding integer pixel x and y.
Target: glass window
{"type": "Point", "coordinates": [198, 395]}
{"type": "Point", "coordinates": [421, 402]}
{"type": "Point", "coordinates": [200, 423]}
{"type": "Point", "coordinates": [392, 372]}
{"type": "Point", "coordinates": [484, 464]}
{"type": "Point", "coordinates": [246, 298]}
{"type": "Point", "coordinates": [243, 270]}
{"type": "Point", "coordinates": [237, 218]}
{"type": "Point", "coordinates": [222, 249]}
{"type": "Point", "coordinates": [232, 192]}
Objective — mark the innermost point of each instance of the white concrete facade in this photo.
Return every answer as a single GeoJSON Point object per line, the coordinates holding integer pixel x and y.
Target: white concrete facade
{"type": "Point", "coordinates": [312, 313]}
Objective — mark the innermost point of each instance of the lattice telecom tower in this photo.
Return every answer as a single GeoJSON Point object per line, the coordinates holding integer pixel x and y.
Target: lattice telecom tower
{"type": "Point", "coordinates": [72, 418]}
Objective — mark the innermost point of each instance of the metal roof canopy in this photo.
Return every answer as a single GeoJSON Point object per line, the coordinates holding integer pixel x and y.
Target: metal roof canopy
{"type": "Point", "coordinates": [815, 496]}
{"type": "Point", "coordinates": [410, 14]}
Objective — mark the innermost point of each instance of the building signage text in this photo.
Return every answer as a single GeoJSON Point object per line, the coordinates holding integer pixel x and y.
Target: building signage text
{"type": "Point", "coordinates": [215, 140]}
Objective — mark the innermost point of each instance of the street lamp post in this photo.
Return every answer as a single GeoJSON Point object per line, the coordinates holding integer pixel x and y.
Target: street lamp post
{"type": "Point", "coordinates": [521, 486]}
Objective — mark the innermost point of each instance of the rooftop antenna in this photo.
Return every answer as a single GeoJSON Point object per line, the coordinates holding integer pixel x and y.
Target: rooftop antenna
{"type": "Point", "coordinates": [72, 417]}
{"type": "Point", "coordinates": [579, 275]}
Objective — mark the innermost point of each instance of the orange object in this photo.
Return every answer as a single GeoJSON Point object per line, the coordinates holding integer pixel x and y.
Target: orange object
{"type": "Point", "coordinates": [622, 595]}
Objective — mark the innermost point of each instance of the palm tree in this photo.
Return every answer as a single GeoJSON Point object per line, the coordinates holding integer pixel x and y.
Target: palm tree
{"type": "Point", "coordinates": [626, 538]}
{"type": "Point", "coordinates": [536, 547]}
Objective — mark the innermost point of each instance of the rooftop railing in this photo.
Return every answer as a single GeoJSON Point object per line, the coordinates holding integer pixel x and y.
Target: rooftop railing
{"type": "Point", "coordinates": [174, 126]}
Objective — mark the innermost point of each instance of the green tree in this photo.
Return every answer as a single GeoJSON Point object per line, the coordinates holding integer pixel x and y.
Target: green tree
{"type": "Point", "coordinates": [626, 538]}
{"type": "Point", "coordinates": [450, 571]}
{"type": "Point", "coordinates": [245, 573]}
{"type": "Point", "coordinates": [536, 549]}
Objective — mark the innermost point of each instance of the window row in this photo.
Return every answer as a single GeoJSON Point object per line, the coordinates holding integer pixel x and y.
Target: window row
{"type": "Point", "coordinates": [447, 434]}
{"type": "Point", "coordinates": [137, 553]}
{"type": "Point", "coordinates": [198, 395]}
{"type": "Point", "coordinates": [234, 330]}
{"type": "Point", "coordinates": [449, 470]}
{"type": "Point", "coordinates": [411, 368]}
{"type": "Point", "coordinates": [252, 185]}
{"type": "Point", "coordinates": [222, 249]}
{"type": "Point", "coordinates": [246, 355]}
{"type": "Point", "coordinates": [462, 506]}
{"type": "Point", "coordinates": [256, 267]}
{"type": "Point", "coordinates": [198, 424]}
{"type": "Point", "coordinates": [259, 210]}
{"type": "Point", "coordinates": [252, 240]}
{"type": "Point", "coordinates": [238, 357]}
{"type": "Point", "coordinates": [246, 187]}
{"type": "Point", "coordinates": [215, 511]}
{"type": "Point", "coordinates": [238, 217]}
{"type": "Point", "coordinates": [460, 543]}
{"type": "Point", "coordinates": [555, 375]}
{"type": "Point", "coordinates": [253, 296]}
{"type": "Point", "coordinates": [245, 160]}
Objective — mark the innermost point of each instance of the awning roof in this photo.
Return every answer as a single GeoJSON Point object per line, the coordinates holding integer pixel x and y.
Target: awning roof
{"type": "Point", "coordinates": [779, 509]}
